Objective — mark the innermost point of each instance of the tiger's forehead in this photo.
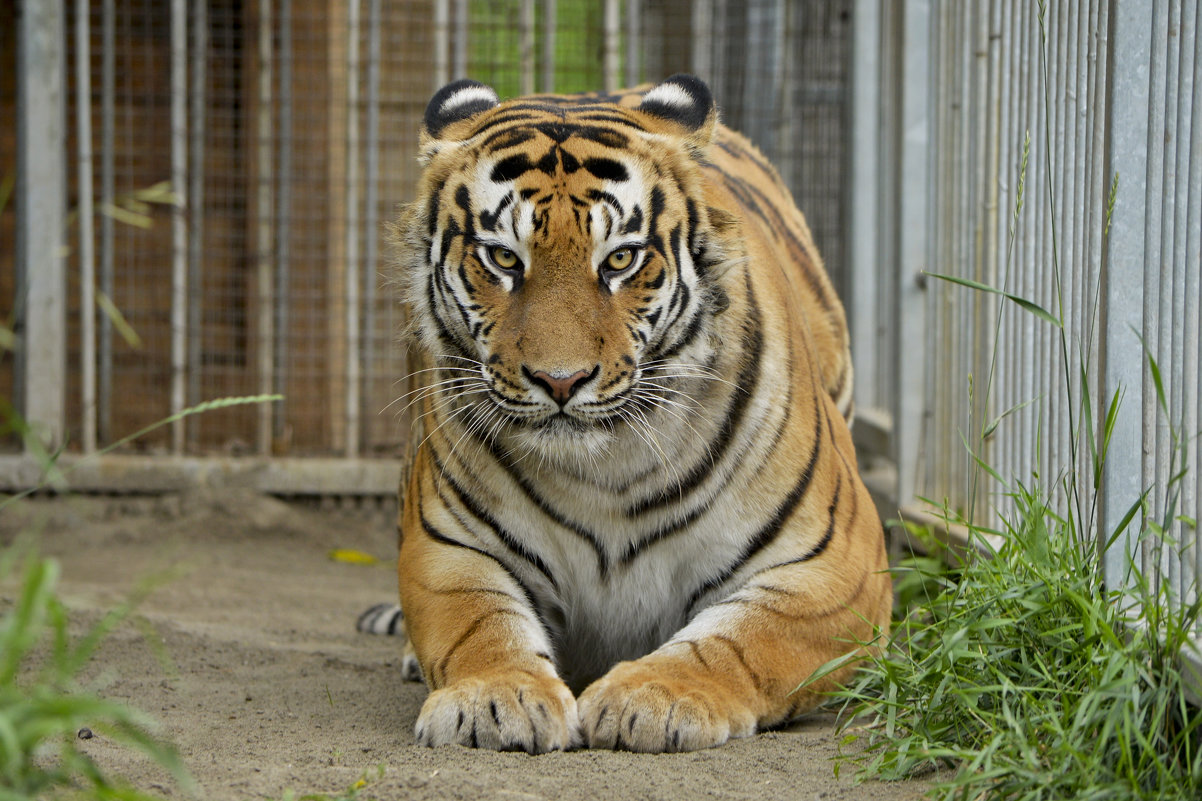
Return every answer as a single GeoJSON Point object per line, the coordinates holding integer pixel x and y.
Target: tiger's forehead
{"type": "Point", "coordinates": [583, 165]}
{"type": "Point", "coordinates": [557, 119]}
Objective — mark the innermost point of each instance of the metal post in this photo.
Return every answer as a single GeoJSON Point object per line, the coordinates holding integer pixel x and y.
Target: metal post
{"type": "Point", "coordinates": [910, 404]}
{"type": "Point", "coordinates": [353, 371]}
{"type": "Point", "coordinates": [610, 51]}
{"type": "Point", "coordinates": [548, 46]}
{"type": "Point", "coordinates": [1122, 360]}
{"type": "Point", "coordinates": [283, 224]}
{"type": "Point", "coordinates": [372, 193]}
{"type": "Point", "coordinates": [264, 268]}
{"type": "Point", "coordinates": [41, 197]}
{"type": "Point", "coordinates": [462, 16]}
{"type": "Point", "coordinates": [862, 196]}
{"type": "Point", "coordinates": [442, 43]}
{"type": "Point", "coordinates": [633, 41]}
{"type": "Point", "coordinates": [703, 37]}
{"type": "Point", "coordinates": [179, 219]}
{"type": "Point", "coordinates": [526, 47]}
{"type": "Point", "coordinates": [107, 79]}
{"type": "Point", "coordinates": [196, 197]}
{"type": "Point", "coordinates": [87, 245]}
{"type": "Point", "coordinates": [461, 38]}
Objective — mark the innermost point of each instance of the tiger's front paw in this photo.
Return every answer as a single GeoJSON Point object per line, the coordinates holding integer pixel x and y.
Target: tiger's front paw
{"type": "Point", "coordinates": [510, 711]}
{"type": "Point", "coordinates": [640, 707]}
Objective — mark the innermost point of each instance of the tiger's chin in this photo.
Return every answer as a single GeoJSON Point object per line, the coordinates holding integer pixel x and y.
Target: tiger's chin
{"type": "Point", "coordinates": [564, 441]}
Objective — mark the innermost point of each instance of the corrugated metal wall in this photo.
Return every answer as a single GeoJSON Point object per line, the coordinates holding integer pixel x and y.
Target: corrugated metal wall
{"type": "Point", "coordinates": [1000, 130]}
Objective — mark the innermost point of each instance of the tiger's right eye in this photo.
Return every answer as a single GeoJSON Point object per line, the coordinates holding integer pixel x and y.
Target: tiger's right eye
{"type": "Point", "coordinates": [504, 258]}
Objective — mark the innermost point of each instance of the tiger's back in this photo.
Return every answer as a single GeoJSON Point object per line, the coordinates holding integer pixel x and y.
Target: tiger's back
{"type": "Point", "coordinates": [638, 483]}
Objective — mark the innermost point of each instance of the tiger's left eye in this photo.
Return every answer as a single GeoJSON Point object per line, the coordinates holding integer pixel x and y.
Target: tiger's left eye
{"type": "Point", "coordinates": [504, 258]}
{"type": "Point", "coordinates": [620, 259]}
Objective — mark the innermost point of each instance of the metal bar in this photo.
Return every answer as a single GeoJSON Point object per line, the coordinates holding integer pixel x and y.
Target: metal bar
{"type": "Point", "coordinates": [548, 84]}
{"type": "Point", "coordinates": [862, 169]}
{"type": "Point", "coordinates": [87, 211]}
{"type": "Point", "coordinates": [196, 199]}
{"type": "Point", "coordinates": [283, 226]}
{"type": "Point", "coordinates": [442, 43]}
{"type": "Point", "coordinates": [157, 474]}
{"type": "Point", "coordinates": [786, 111]}
{"type": "Point", "coordinates": [1193, 269]}
{"type": "Point", "coordinates": [1098, 189]}
{"type": "Point", "coordinates": [179, 218]}
{"type": "Point", "coordinates": [1155, 432]}
{"type": "Point", "coordinates": [526, 47]}
{"type": "Point", "coordinates": [1172, 293]}
{"type": "Point", "coordinates": [371, 224]}
{"type": "Point", "coordinates": [1122, 362]}
{"type": "Point", "coordinates": [702, 21]}
{"type": "Point", "coordinates": [888, 143]}
{"type": "Point", "coordinates": [462, 38]}
{"type": "Point", "coordinates": [40, 370]}
{"type": "Point", "coordinates": [353, 321]}
{"type": "Point", "coordinates": [105, 360]}
{"type": "Point", "coordinates": [914, 169]}
{"type": "Point", "coordinates": [612, 32]}
{"type": "Point", "coordinates": [264, 266]}
{"type": "Point", "coordinates": [633, 41]}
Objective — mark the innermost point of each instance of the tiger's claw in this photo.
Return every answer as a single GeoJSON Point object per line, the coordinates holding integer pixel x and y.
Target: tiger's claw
{"type": "Point", "coordinates": [637, 708]}
{"type": "Point", "coordinates": [511, 712]}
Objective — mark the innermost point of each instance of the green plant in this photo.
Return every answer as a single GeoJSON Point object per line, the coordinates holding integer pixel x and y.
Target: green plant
{"type": "Point", "coordinates": [1031, 678]}
{"type": "Point", "coordinates": [44, 706]}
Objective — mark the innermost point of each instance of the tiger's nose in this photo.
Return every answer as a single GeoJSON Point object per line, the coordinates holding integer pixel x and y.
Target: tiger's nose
{"type": "Point", "coordinates": [559, 386]}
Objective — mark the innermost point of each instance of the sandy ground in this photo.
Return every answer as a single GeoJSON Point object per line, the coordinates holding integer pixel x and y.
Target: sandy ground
{"type": "Point", "coordinates": [266, 688]}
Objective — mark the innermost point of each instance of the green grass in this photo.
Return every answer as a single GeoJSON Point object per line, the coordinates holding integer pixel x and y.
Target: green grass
{"type": "Point", "coordinates": [43, 703]}
{"type": "Point", "coordinates": [1029, 678]}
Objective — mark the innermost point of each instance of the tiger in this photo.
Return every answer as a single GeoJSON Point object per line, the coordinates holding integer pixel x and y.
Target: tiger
{"type": "Point", "coordinates": [634, 519]}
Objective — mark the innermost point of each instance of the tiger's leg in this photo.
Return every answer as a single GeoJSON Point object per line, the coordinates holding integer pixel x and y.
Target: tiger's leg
{"type": "Point", "coordinates": [482, 649]}
{"type": "Point", "coordinates": [735, 666]}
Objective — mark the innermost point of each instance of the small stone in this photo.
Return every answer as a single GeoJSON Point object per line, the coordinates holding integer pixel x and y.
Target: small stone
{"type": "Point", "coordinates": [85, 733]}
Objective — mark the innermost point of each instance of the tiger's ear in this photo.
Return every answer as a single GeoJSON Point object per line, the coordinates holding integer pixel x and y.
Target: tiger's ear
{"type": "Point", "coordinates": [455, 103]}
{"type": "Point", "coordinates": [685, 102]}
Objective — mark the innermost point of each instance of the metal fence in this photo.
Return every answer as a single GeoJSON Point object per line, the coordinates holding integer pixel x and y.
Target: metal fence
{"type": "Point", "coordinates": [1053, 151]}
{"type": "Point", "coordinates": [222, 171]}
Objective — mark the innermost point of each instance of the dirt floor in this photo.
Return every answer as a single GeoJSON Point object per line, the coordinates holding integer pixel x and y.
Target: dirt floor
{"type": "Point", "coordinates": [266, 688]}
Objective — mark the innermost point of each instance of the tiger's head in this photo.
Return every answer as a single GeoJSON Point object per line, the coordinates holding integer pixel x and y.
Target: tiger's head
{"type": "Point", "coordinates": [561, 260]}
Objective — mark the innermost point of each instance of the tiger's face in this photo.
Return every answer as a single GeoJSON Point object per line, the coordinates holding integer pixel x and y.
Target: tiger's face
{"type": "Point", "coordinates": [566, 268]}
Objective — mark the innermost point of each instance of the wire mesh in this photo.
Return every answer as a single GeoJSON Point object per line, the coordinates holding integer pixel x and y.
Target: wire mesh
{"type": "Point", "coordinates": [247, 153]}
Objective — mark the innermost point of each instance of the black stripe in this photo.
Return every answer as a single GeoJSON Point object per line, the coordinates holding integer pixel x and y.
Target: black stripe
{"type": "Point", "coordinates": [607, 169]}
{"type": "Point", "coordinates": [532, 495]}
{"type": "Point", "coordinates": [507, 538]}
{"type": "Point", "coordinates": [751, 198]}
{"type": "Point", "coordinates": [436, 535]}
{"type": "Point", "coordinates": [745, 383]}
{"type": "Point", "coordinates": [441, 666]}
{"type": "Point", "coordinates": [768, 533]}
{"type": "Point", "coordinates": [511, 168]}
{"type": "Point", "coordinates": [449, 340]}
{"type": "Point", "coordinates": [635, 223]}
{"type": "Point", "coordinates": [488, 219]}
{"type": "Point", "coordinates": [432, 207]}
{"type": "Point", "coordinates": [742, 657]}
{"type": "Point", "coordinates": [501, 140]}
